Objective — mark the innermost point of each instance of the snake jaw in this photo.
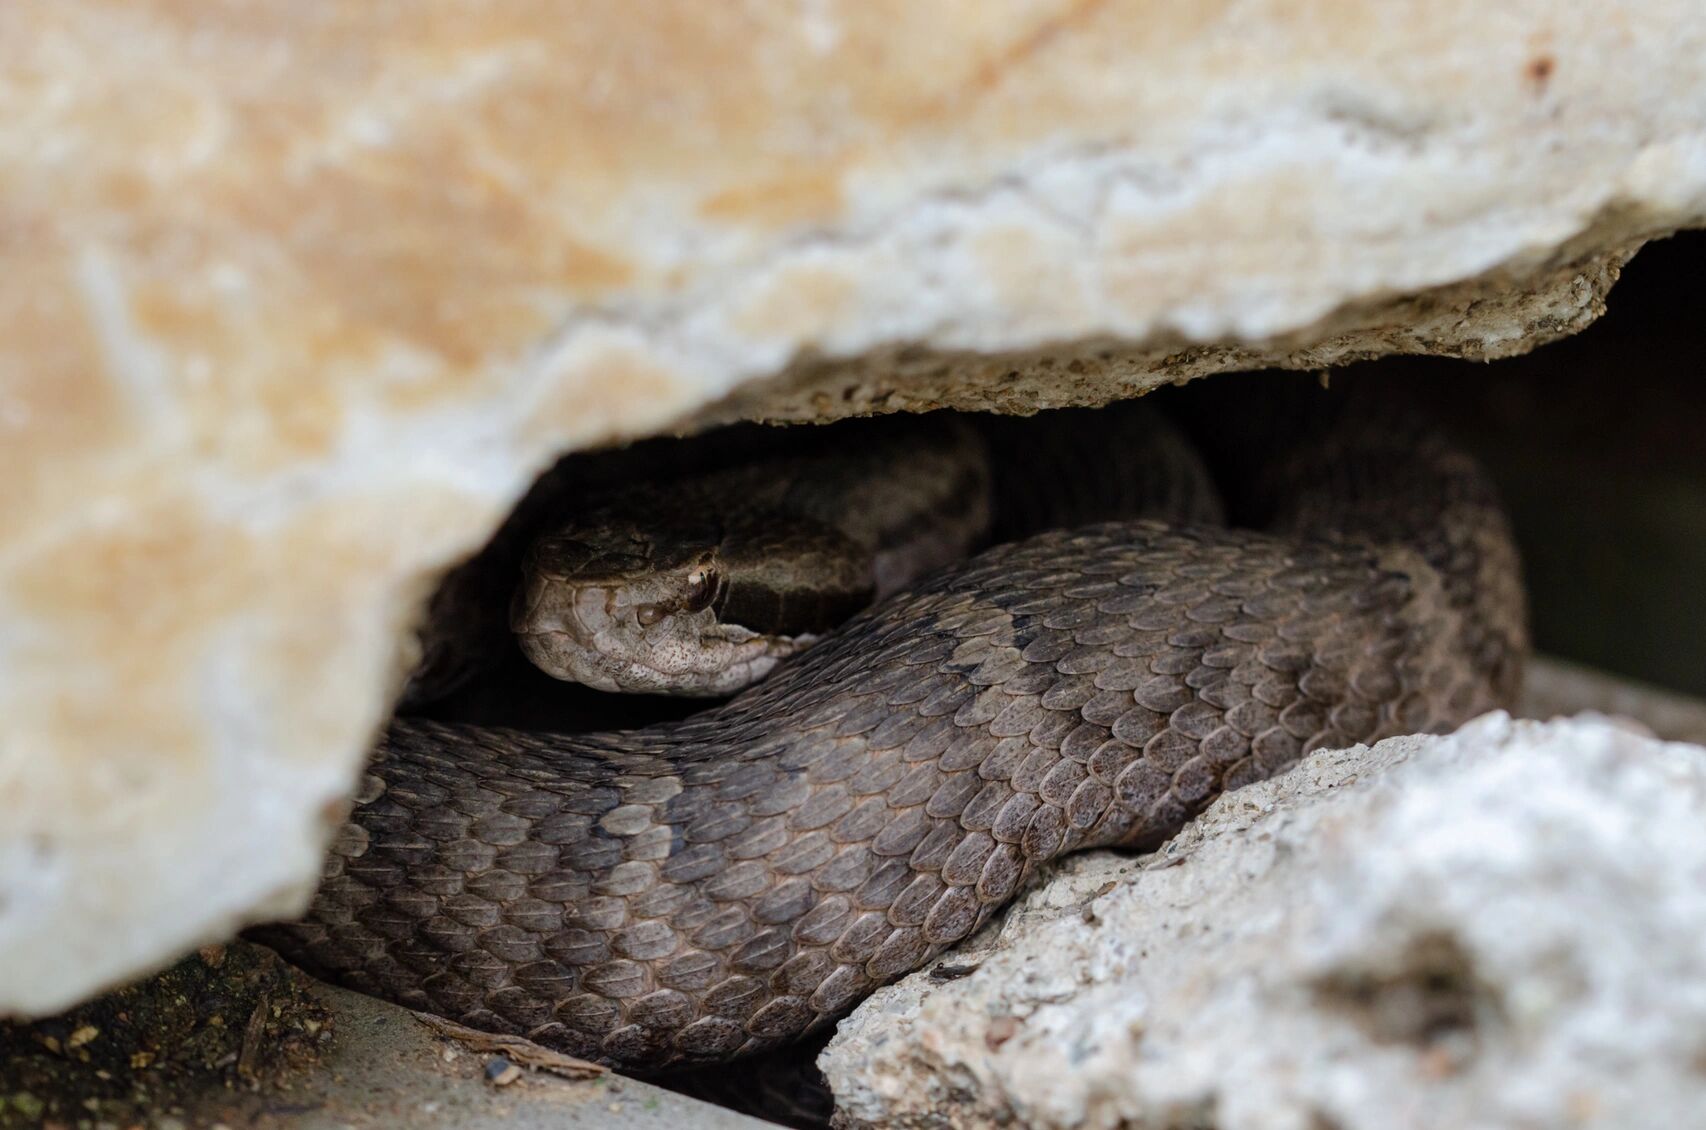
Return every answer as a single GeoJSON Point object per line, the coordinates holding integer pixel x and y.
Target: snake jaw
{"type": "Point", "coordinates": [589, 634]}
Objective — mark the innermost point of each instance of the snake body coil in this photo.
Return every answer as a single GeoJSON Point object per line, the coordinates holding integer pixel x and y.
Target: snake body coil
{"type": "Point", "coordinates": [707, 888]}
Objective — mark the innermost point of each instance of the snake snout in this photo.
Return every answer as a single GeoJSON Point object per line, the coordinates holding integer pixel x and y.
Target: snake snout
{"type": "Point", "coordinates": [551, 619]}
{"type": "Point", "coordinates": [534, 606]}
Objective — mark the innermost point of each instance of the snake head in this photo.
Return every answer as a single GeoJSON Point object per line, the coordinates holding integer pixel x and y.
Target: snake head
{"type": "Point", "coordinates": [616, 606]}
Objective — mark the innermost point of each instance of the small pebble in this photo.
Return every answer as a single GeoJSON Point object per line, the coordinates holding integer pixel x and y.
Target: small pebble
{"type": "Point", "coordinates": [501, 1072]}
{"type": "Point", "coordinates": [82, 1036]}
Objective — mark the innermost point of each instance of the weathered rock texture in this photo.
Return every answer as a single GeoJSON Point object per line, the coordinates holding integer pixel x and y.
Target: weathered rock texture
{"type": "Point", "coordinates": [298, 297]}
{"type": "Point", "coordinates": [1499, 928]}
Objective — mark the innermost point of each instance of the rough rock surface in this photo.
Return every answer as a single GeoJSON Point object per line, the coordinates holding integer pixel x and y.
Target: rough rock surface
{"type": "Point", "coordinates": [1497, 928]}
{"type": "Point", "coordinates": [298, 298]}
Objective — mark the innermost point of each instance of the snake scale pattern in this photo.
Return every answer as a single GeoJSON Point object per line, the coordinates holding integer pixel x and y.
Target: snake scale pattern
{"type": "Point", "coordinates": [703, 889]}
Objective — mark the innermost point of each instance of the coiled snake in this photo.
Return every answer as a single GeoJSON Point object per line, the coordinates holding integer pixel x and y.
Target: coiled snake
{"type": "Point", "coordinates": [702, 889]}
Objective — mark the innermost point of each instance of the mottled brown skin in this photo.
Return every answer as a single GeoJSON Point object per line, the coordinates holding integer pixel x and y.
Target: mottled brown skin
{"type": "Point", "coordinates": [705, 889]}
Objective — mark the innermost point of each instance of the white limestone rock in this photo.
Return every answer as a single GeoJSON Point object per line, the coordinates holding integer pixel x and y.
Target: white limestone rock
{"type": "Point", "coordinates": [1501, 928]}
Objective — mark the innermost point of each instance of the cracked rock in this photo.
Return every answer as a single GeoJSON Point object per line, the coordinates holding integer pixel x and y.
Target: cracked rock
{"type": "Point", "coordinates": [1497, 928]}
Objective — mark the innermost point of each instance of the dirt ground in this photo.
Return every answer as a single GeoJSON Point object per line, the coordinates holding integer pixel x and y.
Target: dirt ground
{"type": "Point", "coordinates": [233, 1037]}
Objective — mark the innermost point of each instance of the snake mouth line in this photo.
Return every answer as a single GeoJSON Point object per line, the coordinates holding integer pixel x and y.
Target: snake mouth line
{"type": "Point", "coordinates": [568, 645]}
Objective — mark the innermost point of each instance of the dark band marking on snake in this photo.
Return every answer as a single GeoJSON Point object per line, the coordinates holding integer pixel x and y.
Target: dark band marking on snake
{"type": "Point", "coordinates": [702, 889]}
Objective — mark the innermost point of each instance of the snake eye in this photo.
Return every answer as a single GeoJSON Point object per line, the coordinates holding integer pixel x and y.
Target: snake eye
{"type": "Point", "coordinates": [701, 587]}
{"type": "Point", "coordinates": [649, 614]}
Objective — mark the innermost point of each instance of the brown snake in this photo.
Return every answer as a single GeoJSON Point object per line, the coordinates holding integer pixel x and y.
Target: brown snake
{"type": "Point", "coordinates": [703, 889]}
